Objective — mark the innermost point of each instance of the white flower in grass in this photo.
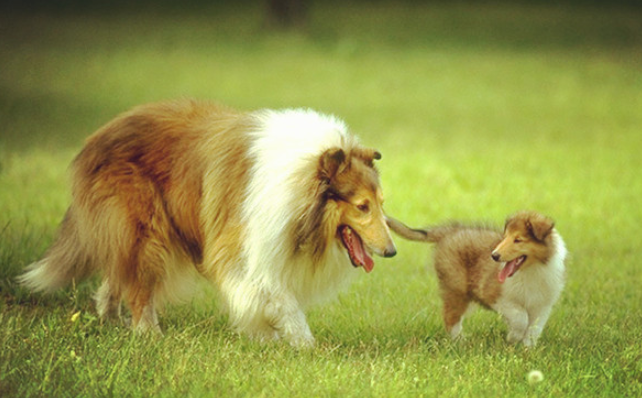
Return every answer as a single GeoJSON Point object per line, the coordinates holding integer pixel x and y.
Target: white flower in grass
{"type": "Point", "coordinates": [534, 377]}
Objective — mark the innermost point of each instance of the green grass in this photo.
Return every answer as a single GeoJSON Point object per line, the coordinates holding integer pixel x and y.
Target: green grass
{"type": "Point", "coordinates": [479, 110]}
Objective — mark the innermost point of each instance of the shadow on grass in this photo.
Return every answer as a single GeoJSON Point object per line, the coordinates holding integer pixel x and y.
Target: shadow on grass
{"type": "Point", "coordinates": [515, 26]}
{"type": "Point", "coordinates": [38, 115]}
{"type": "Point", "coordinates": [47, 121]}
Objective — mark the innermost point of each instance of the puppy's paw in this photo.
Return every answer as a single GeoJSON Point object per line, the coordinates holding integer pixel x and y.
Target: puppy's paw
{"type": "Point", "coordinates": [514, 338]}
{"type": "Point", "coordinates": [302, 342]}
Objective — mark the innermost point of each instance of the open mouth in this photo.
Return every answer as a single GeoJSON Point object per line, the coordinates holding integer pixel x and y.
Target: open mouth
{"type": "Point", "coordinates": [510, 268]}
{"type": "Point", "coordinates": [357, 252]}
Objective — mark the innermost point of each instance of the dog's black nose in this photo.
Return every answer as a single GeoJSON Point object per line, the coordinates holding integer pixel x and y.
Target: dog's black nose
{"type": "Point", "coordinates": [390, 252]}
{"type": "Point", "coordinates": [495, 256]}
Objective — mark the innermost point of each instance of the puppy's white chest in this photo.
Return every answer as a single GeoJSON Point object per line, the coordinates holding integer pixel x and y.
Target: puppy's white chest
{"type": "Point", "coordinates": [535, 288]}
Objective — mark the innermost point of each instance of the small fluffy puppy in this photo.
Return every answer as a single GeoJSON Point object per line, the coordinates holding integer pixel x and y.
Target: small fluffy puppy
{"type": "Point", "coordinates": [276, 207]}
{"type": "Point", "coordinates": [520, 273]}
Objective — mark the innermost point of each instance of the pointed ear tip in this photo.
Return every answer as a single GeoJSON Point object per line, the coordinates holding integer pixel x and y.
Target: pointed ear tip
{"type": "Point", "coordinates": [335, 153]}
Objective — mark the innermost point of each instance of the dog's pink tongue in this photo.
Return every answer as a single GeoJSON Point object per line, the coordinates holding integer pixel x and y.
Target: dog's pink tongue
{"type": "Point", "coordinates": [508, 270]}
{"type": "Point", "coordinates": [361, 257]}
{"type": "Point", "coordinates": [368, 263]}
{"type": "Point", "coordinates": [356, 251]}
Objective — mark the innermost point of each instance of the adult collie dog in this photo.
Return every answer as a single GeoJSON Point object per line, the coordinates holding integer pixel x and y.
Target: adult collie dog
{"type": "Point", "coordinates": [519, 274]}
{"type": "Point", "coordinates": [274, 207]}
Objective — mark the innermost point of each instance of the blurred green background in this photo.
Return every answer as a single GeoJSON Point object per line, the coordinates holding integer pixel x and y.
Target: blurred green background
{"type": "Point", "coordinates": [479, 108]}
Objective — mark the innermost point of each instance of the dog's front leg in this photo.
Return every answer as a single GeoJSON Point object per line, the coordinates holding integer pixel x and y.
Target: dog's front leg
{"type": "Point", "coordinates": [283, 313]}
{"type": "Point", "coordinates": [516, 318]}
{"type": "Point", "coordinates": [537, 322]}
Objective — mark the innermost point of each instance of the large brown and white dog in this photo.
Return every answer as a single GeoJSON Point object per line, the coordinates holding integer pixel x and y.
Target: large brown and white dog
{"type": "Point", "coordinates": [272, 206]}
{"type": "Point", "coordinates": [519, 274]}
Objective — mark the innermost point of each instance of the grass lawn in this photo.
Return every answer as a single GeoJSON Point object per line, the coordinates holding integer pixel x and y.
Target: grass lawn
{"type": "Point", "coordinates": [479, 111]}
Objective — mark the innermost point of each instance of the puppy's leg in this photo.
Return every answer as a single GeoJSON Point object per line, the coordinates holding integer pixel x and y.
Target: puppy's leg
{"type": "Point", "coordinates": [517, 319]}
{"type": "Point", "coordinates": [455, 306]}
{"type": "Point", "coordinates": [282, 312]}
{"type": "Point", "coordinates": [537, 321]}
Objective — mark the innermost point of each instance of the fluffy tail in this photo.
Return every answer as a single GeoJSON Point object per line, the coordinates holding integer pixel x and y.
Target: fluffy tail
{"type": "Point", "coordinates": [432, 234]}
{"type": "Point", "coordinates": [64, 261]}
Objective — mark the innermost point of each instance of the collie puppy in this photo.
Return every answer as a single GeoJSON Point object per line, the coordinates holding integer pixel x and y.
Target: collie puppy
{"type": "Point", "coordinates": [273, 207]}
{"type": "Point", "coordinates": [520, 273]}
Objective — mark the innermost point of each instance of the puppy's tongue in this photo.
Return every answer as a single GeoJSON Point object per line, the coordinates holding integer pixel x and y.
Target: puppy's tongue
{"type": "Point", "coordinates": [509, 269]}
{"type": "Point", "coordinates": [358, 255]}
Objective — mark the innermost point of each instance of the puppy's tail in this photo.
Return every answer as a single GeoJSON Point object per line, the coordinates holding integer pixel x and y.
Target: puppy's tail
{"type": "Point", "coordinates": [65, 261]}
{"type": "Point", "coordinates": [431, 234]}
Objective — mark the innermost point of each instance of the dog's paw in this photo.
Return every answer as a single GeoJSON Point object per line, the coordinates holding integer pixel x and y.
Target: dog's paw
{"type": "Point", "coordinates": [529, 341]}
{"type": "Point", "coordinates": [456, 332]}
{"type": "Point", "coordinates": [302, 342]}
{"type": "Point", "coordinates": [514, 338]}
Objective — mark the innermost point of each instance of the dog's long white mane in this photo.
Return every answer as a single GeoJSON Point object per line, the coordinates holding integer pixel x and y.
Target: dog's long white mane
{"type": "Point", "coordinates": [284, 144]}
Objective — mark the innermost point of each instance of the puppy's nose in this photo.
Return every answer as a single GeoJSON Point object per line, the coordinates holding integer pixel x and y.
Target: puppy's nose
{"type": "Point", "coordinates": [496, 256]}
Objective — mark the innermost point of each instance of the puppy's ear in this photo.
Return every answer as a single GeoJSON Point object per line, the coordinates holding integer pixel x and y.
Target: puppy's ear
{"type": "Point", "coordinates": [540, 227]}
{"type": "Point", "coordinates": [368, 155]}
{"type": "Point", "coordinates": [332, 162]}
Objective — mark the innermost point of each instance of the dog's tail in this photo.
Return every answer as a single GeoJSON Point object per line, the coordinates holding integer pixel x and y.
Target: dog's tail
{"type": "Point", "coordinates": [66, 260]}
{"type": "Point", "coordinates": [428, 234]}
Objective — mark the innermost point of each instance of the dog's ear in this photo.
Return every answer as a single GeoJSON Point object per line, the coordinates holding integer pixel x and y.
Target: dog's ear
{"type": "Point", "coordinates": [368, 155]}
{"type": "Point", "coordinates": [539, 226]}
{"type": "Point", "coordinates": [332, 162]}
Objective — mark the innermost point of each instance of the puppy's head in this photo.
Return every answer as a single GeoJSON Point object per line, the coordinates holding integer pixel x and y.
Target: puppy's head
{"type": "Point", "coordinates": [354, 198]}
{"type": "Point", "coordinates": [526, 241]}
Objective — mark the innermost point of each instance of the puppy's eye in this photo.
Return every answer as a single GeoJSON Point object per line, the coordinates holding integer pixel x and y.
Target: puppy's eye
{"type": "Point", "coordinates": [364, 207]}
{"type": "Point", "coordinates": [517, 240]}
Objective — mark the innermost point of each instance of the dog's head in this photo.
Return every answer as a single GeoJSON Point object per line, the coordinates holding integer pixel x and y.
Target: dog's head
{"type": "Point", "coordinates": [353, 203]}
{"type": "Point", "coordinates": [527, 240]}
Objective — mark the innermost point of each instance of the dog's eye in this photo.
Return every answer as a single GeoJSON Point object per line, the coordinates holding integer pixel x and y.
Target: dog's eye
{"type": "Point", "coordinates": [517, 240]}
{"type": "Point", "coordinates": [363, 207]}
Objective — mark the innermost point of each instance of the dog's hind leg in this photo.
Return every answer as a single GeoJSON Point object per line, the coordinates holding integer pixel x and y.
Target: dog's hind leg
{"type": "Point", "coordinates": [143, 292]}
{"type": "Point", "coordinates": [108, 303]}
{"type": "Point", "coordinates": [139, 271]}
{"type": "Point", "coordinates": [144, 317]}
{"type": "Point", "coordinates": [455, 306]}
